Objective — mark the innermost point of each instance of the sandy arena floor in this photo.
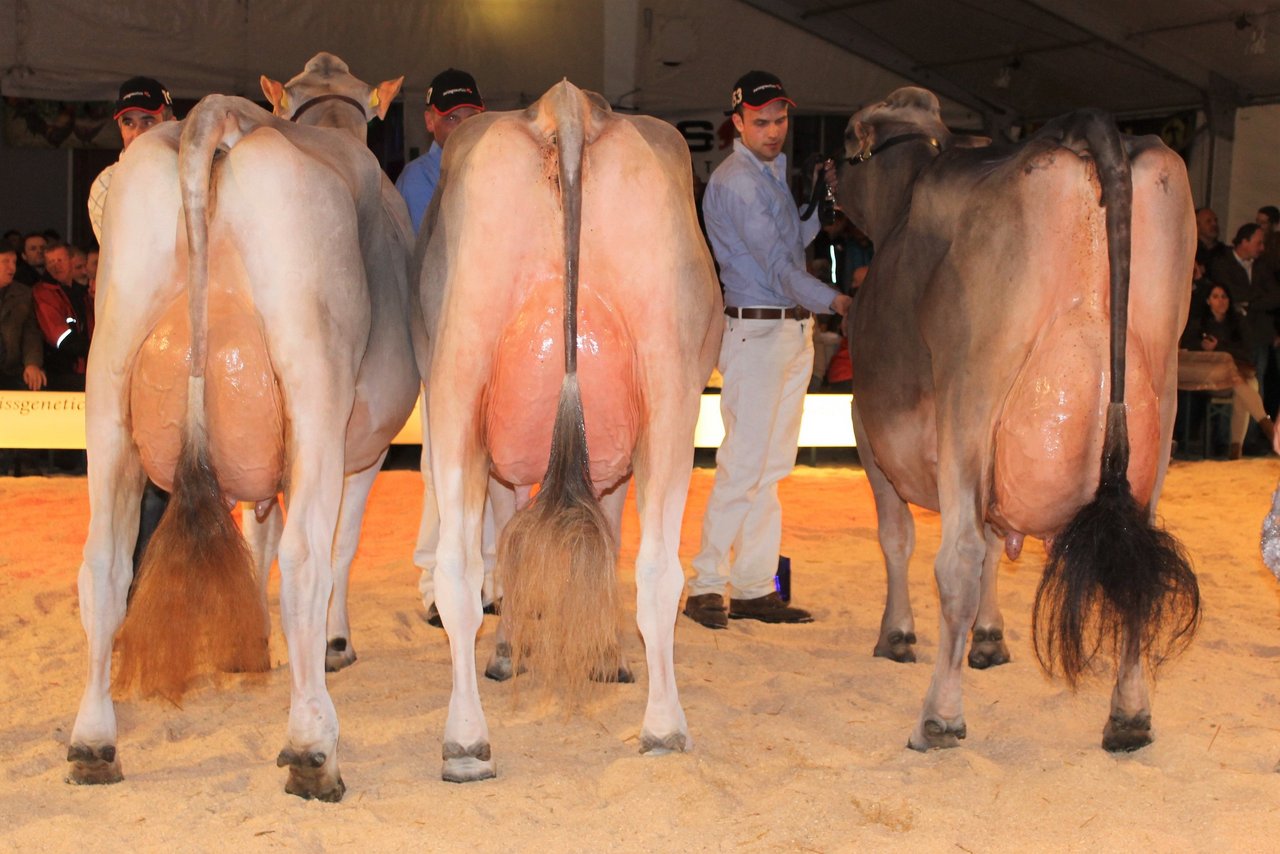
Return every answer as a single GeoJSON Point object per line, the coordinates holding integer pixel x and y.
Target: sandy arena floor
{"type": "Point", "coordinates": [799, 732]}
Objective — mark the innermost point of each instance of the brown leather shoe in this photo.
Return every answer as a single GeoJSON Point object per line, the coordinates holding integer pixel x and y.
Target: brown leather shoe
{"type": "Point", "coordinates": [707, 609]}
{"type": "Point", "coordinates": [767, 609]}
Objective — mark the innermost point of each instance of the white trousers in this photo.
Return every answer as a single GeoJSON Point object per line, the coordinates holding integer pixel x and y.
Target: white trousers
{"type": "Point", "coordinates": [766, 366]}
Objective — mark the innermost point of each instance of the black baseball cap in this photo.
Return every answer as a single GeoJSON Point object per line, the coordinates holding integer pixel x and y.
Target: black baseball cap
{"type": "Point", "coordinates": [757, 89]}
{"type": "Point", "coordinates": [452, 89]}
{"type": "Point", "coordinates": [142, 93]}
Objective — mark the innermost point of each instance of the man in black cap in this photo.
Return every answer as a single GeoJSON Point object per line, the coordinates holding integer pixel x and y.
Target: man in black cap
{"type": "Point", "coordinates": [143, 104]}
{"type": "Point", "coordinates": [452, 97]}
{"type": "Point", "coordinates": [766, 358]}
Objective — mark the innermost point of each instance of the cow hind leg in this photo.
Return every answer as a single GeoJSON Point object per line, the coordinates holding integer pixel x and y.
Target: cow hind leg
{"type": "Point", "coordinates": [612, 504]}
{"type": "Point", "coordinates": [958, 572]}
{"type": "Point", "coordinates": [339, 651]}
{"type": "Point", "coordinates": [897, 533]}
{"type": "Point", "coordinates": [115, 485]}
{"type": "Point", "coordinates": [1129, 724]}
{"type": "Point", "coordinates": [662, 486]}
{"type": "Point", "coordinates": [988, 648]}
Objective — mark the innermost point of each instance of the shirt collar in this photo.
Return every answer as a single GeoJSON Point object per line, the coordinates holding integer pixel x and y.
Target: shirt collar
{"type": "Point", "coordinates": [777, 168]}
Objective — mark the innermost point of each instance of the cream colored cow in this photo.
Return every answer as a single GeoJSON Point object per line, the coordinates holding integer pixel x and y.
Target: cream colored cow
{"type": "Point", "coordinates": [563, 223]}
{"type": "Point", "coordinates": [252, 336]}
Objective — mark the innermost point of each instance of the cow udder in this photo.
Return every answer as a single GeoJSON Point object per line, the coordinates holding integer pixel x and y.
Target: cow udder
{"type": "Point", "coordinates": [522, 396]}
{"type": "Point", "coordinates": [243, 411]}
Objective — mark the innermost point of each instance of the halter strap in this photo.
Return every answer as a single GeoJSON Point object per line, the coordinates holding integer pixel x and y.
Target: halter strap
{"type": "Point", "coordinates": [892, 141]}
{"type": "Point", "coordinates": [321, 99]}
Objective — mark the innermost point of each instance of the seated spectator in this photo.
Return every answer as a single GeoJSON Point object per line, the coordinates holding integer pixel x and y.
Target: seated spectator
{"type": "Point", "coordinates": [1218, 327]}
{"type": "Point", "coordinates": [21, 350]}
{"type": "Point", "coordinates": [65, 315]}
{"type": "Point", "coordinates": [31, 263]}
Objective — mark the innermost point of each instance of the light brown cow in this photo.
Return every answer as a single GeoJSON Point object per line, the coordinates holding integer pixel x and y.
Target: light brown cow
{"type": "Point", "coordinates": [563, 222]}
{"type": "Point", "coordinates": [252, 335]}
{"type": "Point", "coordinates": [988, 387]}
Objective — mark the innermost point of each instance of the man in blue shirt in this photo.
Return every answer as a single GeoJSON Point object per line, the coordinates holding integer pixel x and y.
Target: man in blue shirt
{"type": "Point", "coordinates": [766, 358]}
{"type": "Point", "coordinates": [452, 97]}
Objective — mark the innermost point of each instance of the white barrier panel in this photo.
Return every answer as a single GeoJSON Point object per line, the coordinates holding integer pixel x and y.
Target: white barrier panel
{"type": "Point", "coordinates": [55, 419]}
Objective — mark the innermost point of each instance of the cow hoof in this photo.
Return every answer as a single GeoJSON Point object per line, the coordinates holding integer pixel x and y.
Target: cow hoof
{"type": "Point", "coordinates": [623, 675]}
{"type": "Point", "coordinates": [652, 745]}
{"type": "Point", "coordinates": [467, 764]}
{"type": "Point", "coordinates": [1125, 735]}
{"type": "Point", "coordinates": [339, 654]}
{"type": "Point", "coordinates": [499, 667]}
{"type": "Point", "coordinates": [937, 734]}
{"type": "Point", "coordinates": [90, 767]}
{"type": "Point", "coordinates": [897, 646]}
{"type": "Point", "coordinates": [988, 649]}
{"type": "Point", "coordinates": [312, 776]}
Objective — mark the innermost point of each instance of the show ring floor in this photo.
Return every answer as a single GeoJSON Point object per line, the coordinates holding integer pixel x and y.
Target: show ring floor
{"type": "Point", "coordinates": [799, 733]}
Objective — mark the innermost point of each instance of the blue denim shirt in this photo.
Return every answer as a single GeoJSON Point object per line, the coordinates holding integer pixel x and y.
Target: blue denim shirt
{"type": "Point", "coordinates": [417, 183]}
{"type": "Point", "coordinates": [757, 235]}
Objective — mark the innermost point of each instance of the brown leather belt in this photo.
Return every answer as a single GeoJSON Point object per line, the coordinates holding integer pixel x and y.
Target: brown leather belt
{"type": "Point", "coordinates": [796, 313]}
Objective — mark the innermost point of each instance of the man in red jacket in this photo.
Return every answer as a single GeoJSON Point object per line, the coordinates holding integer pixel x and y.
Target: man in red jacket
{"type": "Point", "coordinates": [63, 312]}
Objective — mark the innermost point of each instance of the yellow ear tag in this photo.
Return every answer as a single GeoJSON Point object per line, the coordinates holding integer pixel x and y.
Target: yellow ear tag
{"type": "Point", "coordinates": [284, 103]}
{"type": "Point", "coordinates": [373, 99]}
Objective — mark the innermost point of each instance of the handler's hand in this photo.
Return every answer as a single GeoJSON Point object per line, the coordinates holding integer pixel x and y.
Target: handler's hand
{"type": "Point", "coordinates": [841, 304]}
{"type": "Point", "coordinates": [34, 377]}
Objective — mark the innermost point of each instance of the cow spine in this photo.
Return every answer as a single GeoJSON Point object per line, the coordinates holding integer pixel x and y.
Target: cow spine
{"type": "Point", "coordinates": [556, 556]}
{"type": "Point", "coordinates": [195, 605]}
{"type": "Point", "coordinates": [1112, 578]}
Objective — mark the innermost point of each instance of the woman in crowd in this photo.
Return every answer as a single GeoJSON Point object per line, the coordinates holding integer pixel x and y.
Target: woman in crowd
{"type": "Point", "coordinates": [1216, 326]}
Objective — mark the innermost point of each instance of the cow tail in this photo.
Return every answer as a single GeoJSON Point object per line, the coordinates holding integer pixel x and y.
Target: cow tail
{"type": "Point", "coordinates": [556, 556]}
{"type": "Point", "coordinates": [1113, 579]}
{"type": "Point", "coordinates": [195, 606]}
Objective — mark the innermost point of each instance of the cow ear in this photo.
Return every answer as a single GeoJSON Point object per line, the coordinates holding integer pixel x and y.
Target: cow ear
{"type": "Point", "coordinates": [274, 90]}
{"type": "Point", "coordinates": [866, 134]}
{"type": "Point", "coordinates": [381, 97]}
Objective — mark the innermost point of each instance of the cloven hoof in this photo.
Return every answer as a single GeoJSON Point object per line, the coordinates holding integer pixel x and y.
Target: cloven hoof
{"type": "Point", "coordinates": [467, 764]}
{"type": "Point", "coordinates": [1127, 734]}
{"type": "Point", "coordinates": [93, 767]}
{"type": "Point", "coordinates": [897, 646]}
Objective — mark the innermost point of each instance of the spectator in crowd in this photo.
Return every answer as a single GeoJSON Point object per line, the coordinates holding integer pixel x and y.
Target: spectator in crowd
{"type": "Point", "coordinates": [1251, 281]}
{"type": "Point", "coordinates": [80, 267]}
{"type": "Point", "coordinates": [1217, 326]}
{"type": "Point", "coordinates": [1268, 219]}
{"type": "Point", "coordinates": [766, 358]}
{"type": "Point", "coordinates": [452, 98]}
{"type": "Point", "coordinates": [1208, 246]}
{"type": "Point", "coordinates": [142, 104]}
{"type": "Point", "coordinates": [21, 348]}
{"type": "Point", "coordinates": [13, 237]}
{"type": "Point", "coordinates": [91, 270]}
{"type": "Point", "coordinates": [64, 315]}
{"type": "Point", "coordinates": [31, 264]}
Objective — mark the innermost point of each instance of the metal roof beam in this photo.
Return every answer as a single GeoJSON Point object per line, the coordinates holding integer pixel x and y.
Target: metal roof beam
{"type": "Point", "coordinates": [861, 44]}
{"type": "Point", "coordinates": [1160, 59]}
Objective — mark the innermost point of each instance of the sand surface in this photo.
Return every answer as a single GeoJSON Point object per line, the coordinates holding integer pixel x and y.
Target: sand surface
{"type": "Point", "coordinates": [799, 733]}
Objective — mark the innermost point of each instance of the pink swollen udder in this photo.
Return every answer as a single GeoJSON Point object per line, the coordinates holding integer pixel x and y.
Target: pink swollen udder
{"type": "Point", "coordinates": [522, 397]}
{"type": "Point", "coordinates": [243, 411]}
